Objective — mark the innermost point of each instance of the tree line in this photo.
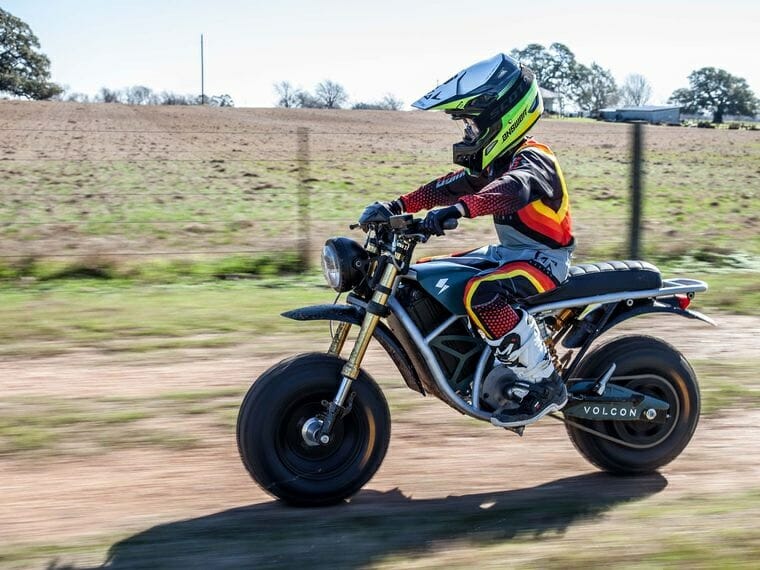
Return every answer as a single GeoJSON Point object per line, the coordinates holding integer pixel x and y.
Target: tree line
{"type": "Point", "coordinates": [25, 72]}
{"type": "Point", "coordinates": [141, 95]}
{"type": "Point", "coordinates": [593, 87]}
{"type": "Point", "coordinates": [328, 95]}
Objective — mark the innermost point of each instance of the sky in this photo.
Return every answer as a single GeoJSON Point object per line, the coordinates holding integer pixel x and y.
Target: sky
{"type": "Point", "coordinates": [372, 48]}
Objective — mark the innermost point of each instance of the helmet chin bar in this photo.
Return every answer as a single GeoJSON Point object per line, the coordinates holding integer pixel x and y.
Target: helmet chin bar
{"type": "Point", "coordinates": [469, 155]}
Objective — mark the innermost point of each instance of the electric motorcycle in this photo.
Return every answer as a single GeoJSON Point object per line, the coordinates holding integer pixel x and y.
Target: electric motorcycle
{"type": "Point", "coordinates": [314, 428]}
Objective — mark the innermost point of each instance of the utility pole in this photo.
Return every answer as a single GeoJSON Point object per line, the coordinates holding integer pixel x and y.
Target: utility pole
{"type": "Point", "coordinates": [203, 92]}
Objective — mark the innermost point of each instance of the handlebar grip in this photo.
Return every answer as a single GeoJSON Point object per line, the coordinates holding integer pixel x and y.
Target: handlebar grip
{"type": "Point", "coordinates": [450, 224]}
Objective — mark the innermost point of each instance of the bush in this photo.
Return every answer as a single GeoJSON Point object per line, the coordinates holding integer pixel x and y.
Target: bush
{"type": "Point", "coordinates": [153, 271]}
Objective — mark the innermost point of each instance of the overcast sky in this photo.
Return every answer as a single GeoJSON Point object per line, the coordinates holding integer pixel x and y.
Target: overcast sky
{"type": "Point", "coordinates": [373, 48]}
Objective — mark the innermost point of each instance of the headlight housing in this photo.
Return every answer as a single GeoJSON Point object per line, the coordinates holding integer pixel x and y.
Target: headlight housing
{"type": "Point", "coordinates": [344, 263]}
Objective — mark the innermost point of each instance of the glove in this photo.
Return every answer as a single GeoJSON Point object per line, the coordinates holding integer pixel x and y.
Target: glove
{"type": "Point", "coordinates": [434, 221]}
{"type": "Point", "coordinates": [379, 212]}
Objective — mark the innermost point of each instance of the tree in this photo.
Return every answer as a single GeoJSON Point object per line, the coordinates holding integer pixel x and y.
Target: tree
{"type": "Point", "coordinates": [595, 88]}
{"type": "Point", "coordinates": [636, 90]}
{"type": "Point", "coordinates": [718, 92]}
{"type": "Point", "coordinates": [391, 103]}
{"type": "Point", "coordinates": [141, 95]}
{"type": "Point", "coordinates": [170, 98]}
{"type": "Point", "coordinates": [535, 57]}
{"type": "Point", "coordinates": [222, 101]}
{"type": "Point", "coordinates": [106, 95]}
{"type": "Point", "coordinates": [388, 103]}
{"type": "Point", "coordinates": [307, 100]}
{"type": "Point", "coordinates": [287, 95]}
{"type": "Point", "coordinates": [562, 73]}
{"type": "Point", "coordinates": [24, 71]}
{"type": "Point", "coordinates": [76, 97]}
{"type": "Point", "coordinates": [555, 68]}
{"type": "Point", "coordinates": [330, 94]}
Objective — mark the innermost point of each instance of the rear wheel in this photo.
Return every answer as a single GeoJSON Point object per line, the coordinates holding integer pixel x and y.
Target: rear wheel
{"type": "Point", "coordinates": [649, 366]}
{"type": "Point", "coordinates": [279, 411]}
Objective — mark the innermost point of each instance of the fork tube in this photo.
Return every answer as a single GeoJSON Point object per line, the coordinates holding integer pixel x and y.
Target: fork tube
{"type": "Point", "coordinates": [339, 339]}
{"type": "Point", "coordinates": [351, 369]}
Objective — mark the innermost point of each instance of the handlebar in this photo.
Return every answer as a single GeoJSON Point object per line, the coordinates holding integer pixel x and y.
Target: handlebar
{"type": "Point", "coordinates": [405, 224]}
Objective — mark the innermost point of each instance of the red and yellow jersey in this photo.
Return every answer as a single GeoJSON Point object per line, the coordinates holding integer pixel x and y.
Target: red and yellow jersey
{"type": "Point", "coordinates": [526, 195]}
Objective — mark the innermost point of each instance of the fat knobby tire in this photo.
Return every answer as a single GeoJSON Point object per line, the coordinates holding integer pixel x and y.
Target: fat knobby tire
{"type": "Point", "coordinates": [641, 355]}
{"type": "Point", "coordinates": [272, 446]}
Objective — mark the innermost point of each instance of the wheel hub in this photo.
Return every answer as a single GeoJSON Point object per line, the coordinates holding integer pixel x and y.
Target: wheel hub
{"type": "Point", "coordinates": [310, 432]}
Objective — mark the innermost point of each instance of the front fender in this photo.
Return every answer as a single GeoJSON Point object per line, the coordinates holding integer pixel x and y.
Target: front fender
{"type": "Point", "coordinates": [355, 315]}
{"type": "Point", "coordinates": [342, 313]}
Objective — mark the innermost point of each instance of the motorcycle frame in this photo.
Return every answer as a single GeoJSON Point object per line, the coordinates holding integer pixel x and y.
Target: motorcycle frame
{"type": "Point", "coordinates": [411, 351]}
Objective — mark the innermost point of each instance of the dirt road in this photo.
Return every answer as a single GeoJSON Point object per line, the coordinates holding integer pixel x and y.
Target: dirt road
{"type": "Point", "coordinates": [448, 482]}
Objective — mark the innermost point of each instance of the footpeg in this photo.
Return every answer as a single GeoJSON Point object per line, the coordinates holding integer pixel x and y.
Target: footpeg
{"type": "Point", "coordinates": [518, 430]}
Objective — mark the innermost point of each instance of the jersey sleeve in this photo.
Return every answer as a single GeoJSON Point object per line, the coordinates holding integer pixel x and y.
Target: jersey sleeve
{"type": "Point", "coordinates": [527, 179]}
{"type": "Point", "coordinates": [443, 191]}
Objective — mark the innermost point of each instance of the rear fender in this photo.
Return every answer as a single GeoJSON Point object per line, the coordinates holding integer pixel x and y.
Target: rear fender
{"type": "Point", "coordinates": [587, 326]}
{"type": "Point", "coordinates": [355, 315]}
{"type": "Point", "coordinates": [666, 305]}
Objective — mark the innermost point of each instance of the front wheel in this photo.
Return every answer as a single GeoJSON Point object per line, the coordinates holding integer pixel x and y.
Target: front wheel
{"type": "Point", "coordinates": [649, 366]}
{"type": "Point", "coordinates": [273, 425]}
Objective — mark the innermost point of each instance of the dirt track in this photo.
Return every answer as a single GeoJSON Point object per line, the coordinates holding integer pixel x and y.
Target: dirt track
{"type": "Point", "coordinates": [439, 463]}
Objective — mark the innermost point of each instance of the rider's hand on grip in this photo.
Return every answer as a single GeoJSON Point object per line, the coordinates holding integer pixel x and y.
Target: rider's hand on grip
{"type": "Point", "coordinates": [451, 224]}
{"type": "Point", "coordinates": [442, 219]}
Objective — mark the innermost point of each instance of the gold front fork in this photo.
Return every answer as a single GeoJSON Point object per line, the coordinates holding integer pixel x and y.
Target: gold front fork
{"type": "Point", "coordinates": [351, 369]}
{"type": "Point", "coordinates": [379, 299]}
{"type": "Point", "coordinates": [339, 338]}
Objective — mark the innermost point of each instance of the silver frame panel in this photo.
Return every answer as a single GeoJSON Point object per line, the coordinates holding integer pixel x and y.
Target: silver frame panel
{"type": "Point", "coordinates": [670, 288]}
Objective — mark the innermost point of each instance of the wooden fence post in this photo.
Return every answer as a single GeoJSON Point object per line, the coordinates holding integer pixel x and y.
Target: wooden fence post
{"type": "Point", "coordinates": [636, 189]}
{"type": "Point", "coordinates": [304, 218]}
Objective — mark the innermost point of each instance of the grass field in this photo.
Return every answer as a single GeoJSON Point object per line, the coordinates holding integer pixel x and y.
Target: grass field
{"type": "Point", "coordinates": [124, 354]}
{"type": "Point", "coordinates": [108, 179]}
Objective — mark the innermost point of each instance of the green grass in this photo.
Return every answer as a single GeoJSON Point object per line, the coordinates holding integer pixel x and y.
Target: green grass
{"type": "Point", "coordinates": [127, 316]}
{"type": "Point", "coordinates": [737, 292]}
{"type": "Point", "coordinates": [728, 384]}
{"type": "Point", "coordinates": [122, 316]}
{"type": "Point", "coordinates": [36, 426]}
{"type": "Point", "coordinates": [693, 199]}
{"type": "Point", "coordinates": [41, 269]}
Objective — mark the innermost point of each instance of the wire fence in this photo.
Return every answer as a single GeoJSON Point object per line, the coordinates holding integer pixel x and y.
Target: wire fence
{"type": "Point", "coordinates": [69, 193]}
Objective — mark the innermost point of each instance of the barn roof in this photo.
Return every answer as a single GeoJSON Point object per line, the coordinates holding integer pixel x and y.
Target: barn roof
{"type": "Point", "coordinates": [646, 108]}
{"type": "Point", "coordinates": [547, 94]}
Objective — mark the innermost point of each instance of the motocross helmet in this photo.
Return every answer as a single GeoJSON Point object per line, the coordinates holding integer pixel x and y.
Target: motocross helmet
{"type": "Point", "coordinates": [497, 100]}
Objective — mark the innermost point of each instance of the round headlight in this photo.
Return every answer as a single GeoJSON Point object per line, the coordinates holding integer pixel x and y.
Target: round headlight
{"type": "Point", "coordinates": [343, 263]}
{"type": "Point", "coordinates": [331, 266]}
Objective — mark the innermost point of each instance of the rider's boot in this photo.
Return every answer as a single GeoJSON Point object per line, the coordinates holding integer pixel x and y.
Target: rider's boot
{"type": "Point", "coordinates": [538, 390]}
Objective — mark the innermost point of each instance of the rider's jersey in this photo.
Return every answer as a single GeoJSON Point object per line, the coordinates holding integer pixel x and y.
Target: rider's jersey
{"type": "Point", "coordinates": [525, 193]}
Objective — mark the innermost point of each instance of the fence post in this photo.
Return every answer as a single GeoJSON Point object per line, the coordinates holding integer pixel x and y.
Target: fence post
{"type": "Point", "coordinates": [636, 189]}
{"type": "Point", "coordinates": [304, 222]}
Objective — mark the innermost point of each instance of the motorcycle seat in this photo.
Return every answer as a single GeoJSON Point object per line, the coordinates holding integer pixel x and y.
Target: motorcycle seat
{"type": "Point", "coordinates": [590, 279]}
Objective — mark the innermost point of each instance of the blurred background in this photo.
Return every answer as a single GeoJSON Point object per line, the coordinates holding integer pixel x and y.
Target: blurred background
{"type": "Point", "coordinates": [156, 218]}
